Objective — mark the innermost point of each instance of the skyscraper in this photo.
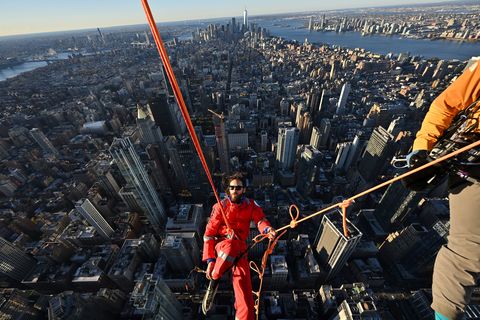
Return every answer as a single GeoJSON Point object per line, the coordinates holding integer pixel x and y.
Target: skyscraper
{"type": "Point", "coordinates": [307, 170]}
{"type": "Point", "coordinates": [14, 263]}
{"type": "Point", "coordinates": [315, 138]}
{"type": "Point", "coordinates": [167, 115]}
{"type": "Point", "coordinates": [324, 132]}
{"type": "Point", "coordinates": [378, 150]}
{"type": "Point", "coordinates": [287, 146]}
{"type": "Point", "coordinates": [151, 298]}
{"type": "Point", "coordinates": [149, 131]}
{"type": "Point", "coordinates": [132, 169]}
{"type": "Point", "coordinates": [222, 143]}
{"type": "Point", "coordinates": [313, 101]}
{"type": "Point", "coordinates": [342, 101]}
{"type": "Point", "coordinates": [43, 142]}
{"type": "Point", "coordinates": [310, 23]}
{"type": "Point", "coordinates": [343, 150]}
{"type": "Point", "coordinates": [395, 205]}
{"type": "Point", "coordinates": [174, 249]}
{"type": "Point", "coordinates": [332, 246]}
{"type": "Point", "coordinates": [186, 167]}
{"type": "Point", "coordinates": [245, 18]}
{"type": "Point", "coordinates": [96, 220]}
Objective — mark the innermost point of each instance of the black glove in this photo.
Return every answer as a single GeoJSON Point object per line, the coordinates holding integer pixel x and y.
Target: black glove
{"type": "Point", "coordinates": [423, 179]}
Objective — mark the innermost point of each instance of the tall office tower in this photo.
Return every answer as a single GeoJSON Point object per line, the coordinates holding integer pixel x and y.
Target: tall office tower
{"type": "Point", "coordinates": [342, 101]}
{"type": "Point", "coordinates": [222, 143]}
{"type": "Point", "coordinates": [322, 22]}
{"type": "Point", "coordinates": [132, 169]}
{"type": "Point", "coordinates": [374, 158]}
{"type": "Point", "coordinates": [151, 298]}
{"type": "Point", "coordinates": [321, 104]}
{"type": "Point", "coordinates": [96, 220]}
{"type": "Point", "coordinates": [187, 168]}
{"type": "Point", "coordinates": [263, 141]}
{"type": "Point", "coordinates": [332, 69]}
{"type": "Point", "coordinates": [301, 109]}
{"type": "Point", "coordinates": [178, 257]}
{"type": "Point", "coordinates": [439, 70]}
{"type": "Point", "coordinates": [324, 132]}
{"type": "Point", "coordinates": [307, 170]}
{"type": "Point", "coordinates": [284, 107]}
{"type": "Point", "coordinates": [188, 224]}
{"type": "Point", "coordinates": [150, 132]}
{"type": "Point", "coordinates": [310, 24]}
{"type": "Point", "coordinates": [130, 197]}
{"type": "Point", "coordinates": [234, 25]}
{"type": "Point", "coordinates": [420, 259]}
{"type": "Point", "coordinates": [43, 141]}
{"type": "Point", "coordinates": [245, 18]}
{"type": "Point", "coordinates": [279, 269]}
{"type": "Point", "coordinates": [355, 150]}
{"type": "Point", "coordinates": [147, 38]}
{"type": "Point", "coordinates": [16, 305]}
{"type": "Point", "coordinates": [167, 115]}
{"type": "Point", "coordinates": [314, 101]}
{"type": "Point", "coordinates": [315, 138]}
{"type": "Point", "coordinates": [107, 182]}
{"type": "Point", "coordinates": [159, 167]}
{"type": "Point", "coordinates": [343, 150]}
{"type": "Point", "coordinates": [305, 128]}
{"type": "Point", "coordinates": [179, 174]}
{"type": "Point", "coordinates": [399, 243]}
{"type": "Point", "coordinates": [287, 146]}
{"type": "Point", "coordinates": [14, 263]}
{"type": "Point", "coordinates": [332, 246]}
{"type": "Point", "coordinates": [395, 205]}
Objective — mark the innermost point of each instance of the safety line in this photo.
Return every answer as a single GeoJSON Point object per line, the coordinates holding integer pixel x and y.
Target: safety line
{"type": "Point", "coordinates": [181, 103]}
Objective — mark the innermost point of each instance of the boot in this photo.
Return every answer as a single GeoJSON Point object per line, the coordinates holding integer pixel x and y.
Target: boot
{"type": "Point", "coordinates": [207, 302]}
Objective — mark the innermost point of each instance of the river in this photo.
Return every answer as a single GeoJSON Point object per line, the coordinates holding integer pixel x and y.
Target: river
{"type": "Point", "coordinates": [442, 49]}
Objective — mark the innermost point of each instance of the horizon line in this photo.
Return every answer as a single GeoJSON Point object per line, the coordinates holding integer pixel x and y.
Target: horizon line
{"type": "Point", "coordinates": [4, 37]}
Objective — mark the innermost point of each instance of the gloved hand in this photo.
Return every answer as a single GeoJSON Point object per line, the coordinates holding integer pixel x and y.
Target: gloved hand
{"type": "Point", "coordinates": [417, 158]}
{"type": "Point", "coordinates": [423, 179]}
{"type": "Point", "coordinates": [271, 233]}
{"type": "Point", "coordinates": [209, 271]}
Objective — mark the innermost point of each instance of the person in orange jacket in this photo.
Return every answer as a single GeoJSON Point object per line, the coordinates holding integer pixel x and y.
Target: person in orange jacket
{"type": "Point", "coordinates": [220, 251]}
{"type": "Point", "coordinates": [457, 266]}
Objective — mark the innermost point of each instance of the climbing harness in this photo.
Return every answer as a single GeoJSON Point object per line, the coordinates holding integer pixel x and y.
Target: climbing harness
{"type": "Point", "coordinates": [459, 134]}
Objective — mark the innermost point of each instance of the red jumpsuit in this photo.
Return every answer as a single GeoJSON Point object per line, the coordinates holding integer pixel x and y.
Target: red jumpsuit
{"type": "Point", "coordinates": [217, 246]}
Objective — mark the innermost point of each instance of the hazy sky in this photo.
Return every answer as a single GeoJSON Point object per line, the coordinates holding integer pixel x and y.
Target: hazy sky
{"type": "Point", "coordinates": [32, 16]}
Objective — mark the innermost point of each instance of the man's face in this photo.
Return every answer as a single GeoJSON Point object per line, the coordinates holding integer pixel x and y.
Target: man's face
{"type": "Point", "coordinates": [236, 190]}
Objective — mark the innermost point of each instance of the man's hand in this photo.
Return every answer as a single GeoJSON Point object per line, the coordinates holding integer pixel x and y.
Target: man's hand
{"type": "Point", "coordinates": [417, 158]}
{"type": "Point", "coordinates": [209, 271]}
{"type": "Point", "coordinates": [271, 233]}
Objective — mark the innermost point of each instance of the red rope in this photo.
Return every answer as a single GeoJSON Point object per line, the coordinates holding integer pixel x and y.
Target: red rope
{"type": "Point", "coordinates": [181, 103]}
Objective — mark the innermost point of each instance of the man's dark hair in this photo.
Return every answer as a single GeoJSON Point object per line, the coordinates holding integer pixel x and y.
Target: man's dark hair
{"type": "Point", "coordinates": [234, 176]}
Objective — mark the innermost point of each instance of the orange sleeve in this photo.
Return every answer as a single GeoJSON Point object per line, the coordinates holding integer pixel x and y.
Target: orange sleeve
{"type": "Point", "coordinates": [459, 95]}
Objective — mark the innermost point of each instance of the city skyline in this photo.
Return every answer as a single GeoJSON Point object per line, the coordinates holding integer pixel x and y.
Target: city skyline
{"type": "Point", "coordinates": [58, 17]}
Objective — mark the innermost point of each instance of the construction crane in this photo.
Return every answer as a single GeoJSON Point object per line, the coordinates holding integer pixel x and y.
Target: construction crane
{"type": "Point", "coordinates": [221, 116]}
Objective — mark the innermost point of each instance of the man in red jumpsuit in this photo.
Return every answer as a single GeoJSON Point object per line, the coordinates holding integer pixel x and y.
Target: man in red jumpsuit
{"type": "Point", "coordinates": [220, 251]}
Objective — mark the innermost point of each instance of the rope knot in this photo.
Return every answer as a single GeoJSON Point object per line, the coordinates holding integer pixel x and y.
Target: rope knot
{"type": "Point", "coordinates": [294, 217]}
